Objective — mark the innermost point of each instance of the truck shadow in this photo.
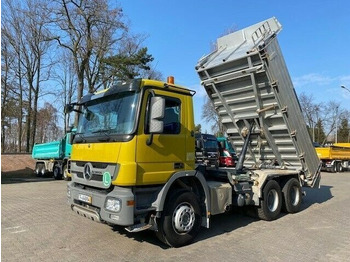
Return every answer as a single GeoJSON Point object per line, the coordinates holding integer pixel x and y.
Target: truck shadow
{"type": "Point", "coordinates": [316, 196]}
{"type": "Point", "coordinates": [23, 176]}
{"type": "Point", "coordinates": [232, 220]}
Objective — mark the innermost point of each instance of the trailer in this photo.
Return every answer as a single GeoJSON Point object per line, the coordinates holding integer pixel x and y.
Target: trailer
{"type": "Point", "coordinates": [334, 158]}
{"type": "Point", "coordinates": [136, 168]}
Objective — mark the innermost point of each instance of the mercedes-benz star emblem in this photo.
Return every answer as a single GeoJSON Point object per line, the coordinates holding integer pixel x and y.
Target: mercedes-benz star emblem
{"type": "Point", "coordinates": [87, 171]}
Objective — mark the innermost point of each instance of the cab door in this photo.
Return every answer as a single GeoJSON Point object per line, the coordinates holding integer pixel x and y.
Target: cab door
{"type": "Point", "coordinates": [167, 152]}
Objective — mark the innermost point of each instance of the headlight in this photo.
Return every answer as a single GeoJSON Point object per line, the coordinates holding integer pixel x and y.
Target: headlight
{"type": "Point", "coordinates": [113, 204]}
{"type": "Point", "coordinates": [68, 192]}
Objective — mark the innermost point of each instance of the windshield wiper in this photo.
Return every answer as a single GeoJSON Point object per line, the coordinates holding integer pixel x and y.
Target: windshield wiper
{"type": "Point", "coordinates": [106, 132]}
{"type": "Point", "coordinates": [79, 138]}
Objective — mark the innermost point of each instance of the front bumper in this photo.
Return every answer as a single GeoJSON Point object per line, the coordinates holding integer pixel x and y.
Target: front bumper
{"type": "Point", "coordinates": [96, 210]}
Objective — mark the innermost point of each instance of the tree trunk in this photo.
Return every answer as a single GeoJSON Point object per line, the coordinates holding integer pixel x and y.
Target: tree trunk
{"type": "Point", "coordinates": [20, 117]}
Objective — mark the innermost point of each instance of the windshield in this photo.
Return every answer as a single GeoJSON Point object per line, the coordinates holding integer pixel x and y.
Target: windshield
{"type": "Point", "coordinates": [115, 115]}
{"type": "Point", "coordinates": [211, 145]}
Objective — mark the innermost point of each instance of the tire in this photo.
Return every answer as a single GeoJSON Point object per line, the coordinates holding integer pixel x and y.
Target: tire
{"type": "Point", "coordinates": [271, 204]}
{"type": "Point", "coordinates": [57, 172]}
{"type": "Point", "coordinates": [65, 173]}
{"type": "Point", "coordinates": [333, 168]}
{"type": "Point", "coordinates": [181, 219]}
{"type": "Point", "coordinates": [339, 167]}
{"type": "Point", "coordinates": [292, 196]}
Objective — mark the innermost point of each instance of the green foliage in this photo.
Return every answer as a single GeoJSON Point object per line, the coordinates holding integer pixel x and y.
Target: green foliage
{"type": "Point", "coordinates": [343, 131]}
{"type": "Point", "coordinates": [198, 128]}
{"type": "Point", "coordinates": [125, 66]}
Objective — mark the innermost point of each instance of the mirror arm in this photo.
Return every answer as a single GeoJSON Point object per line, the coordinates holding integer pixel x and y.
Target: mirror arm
{"type": "Point", "coordinates": [150, 138]}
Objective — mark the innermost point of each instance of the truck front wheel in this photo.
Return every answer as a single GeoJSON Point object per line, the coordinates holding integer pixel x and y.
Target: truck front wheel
{"type": "Point", "coordinates": [38, 170]}
{"type": "Point", "coordinates": [271, 204]}
{"type": "Point", "coordinates": [65, 173]}
{"type": "Point", "coordinates": [292, 196]}
{"type": "Point", "coordinates": [181, 219]}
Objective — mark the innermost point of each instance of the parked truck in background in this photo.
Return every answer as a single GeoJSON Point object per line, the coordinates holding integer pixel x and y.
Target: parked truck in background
{"type": "Point", "coordinates": [228, 155]}
{"type": "Point", "coordinates": [334, 158]}
{"type": "Point", "coordinates": [133, 156]}
{"type": "Point", "coordinates": [207, 150]}
{"type": "Point", "coordinates": [52, 157]}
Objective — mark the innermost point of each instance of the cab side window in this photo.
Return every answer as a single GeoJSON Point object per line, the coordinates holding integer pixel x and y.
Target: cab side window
{"type": "Point", "coordinates": [172, 116]}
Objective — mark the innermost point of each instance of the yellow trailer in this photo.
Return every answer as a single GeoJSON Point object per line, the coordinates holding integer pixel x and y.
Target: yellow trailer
{"type": "Point", "coordinates": [334, 158]}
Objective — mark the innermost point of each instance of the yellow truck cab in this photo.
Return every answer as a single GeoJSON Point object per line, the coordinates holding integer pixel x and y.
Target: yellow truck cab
{"type": "Point", "coordinates": [132, 141]}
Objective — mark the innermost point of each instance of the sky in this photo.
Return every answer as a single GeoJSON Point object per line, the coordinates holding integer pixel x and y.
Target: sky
{"type": "Point", "coordinates": [315, 40]}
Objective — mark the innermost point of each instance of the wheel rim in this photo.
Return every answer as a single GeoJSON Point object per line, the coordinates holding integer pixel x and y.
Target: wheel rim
{"type": "Point", "coordinates": [294, 196]}
{"type": "Point", "coordinates": [272, 200]}
{"type": "Point", "coordinates": [183, 218]}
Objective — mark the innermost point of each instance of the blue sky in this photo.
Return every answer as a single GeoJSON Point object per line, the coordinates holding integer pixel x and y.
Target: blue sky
{"type": "Point", "coordinates": [315, 39]}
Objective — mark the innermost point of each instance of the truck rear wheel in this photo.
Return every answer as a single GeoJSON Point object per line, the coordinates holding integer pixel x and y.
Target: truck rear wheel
{"type": "Point", "coordinates": [292, 196]}
{"type": "Point", "coordinates": [57, 172]}
{"type": "Point", "coordinates": [270, 205]}
{"type": "Point", "coordinates": [339, 167]}
{"type": "Point", "coordinates": [181, 219]}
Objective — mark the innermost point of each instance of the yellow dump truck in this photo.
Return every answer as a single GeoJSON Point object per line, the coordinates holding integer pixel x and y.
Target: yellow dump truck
{"type": "Point", "coordinates": [334, 158]}
{"type": "Point", "coordinates": [133, 155]}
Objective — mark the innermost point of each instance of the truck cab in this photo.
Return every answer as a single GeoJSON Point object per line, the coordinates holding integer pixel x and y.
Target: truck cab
{"type": "Point", "coordinates": [207, 150]}
{"type": "Point", "coordinates": [228, 155]}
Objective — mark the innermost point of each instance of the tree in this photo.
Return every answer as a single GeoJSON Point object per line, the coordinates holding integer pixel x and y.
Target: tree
{"type": "Point", "coordinates": [198, 128]}
{"type": "Point", "coordinates": [311, 112]}
{"type": "Point", "coordinates": [343, 131]}
{"type": "Point", "coordinates": [47, 127]}
{"type": "Point", "coordinates": [210, 115]}
{"type": "Point", "coordinates": [67, 80]}
{"type": "Point", "coordinates": [26, 33]}
{"type": "Point", "coordinates": [130, 62]}
{"type": "Point", "coordinates": [88, 29]}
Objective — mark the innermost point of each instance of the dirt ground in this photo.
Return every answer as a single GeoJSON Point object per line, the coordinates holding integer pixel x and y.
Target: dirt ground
{"type": "Point", "coordinates": [15, 165]}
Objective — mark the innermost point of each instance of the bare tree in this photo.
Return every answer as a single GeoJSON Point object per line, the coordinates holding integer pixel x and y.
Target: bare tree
{"type": "Point", "coordinates": [332, 113]}
{"type": "Point", "coordinates": [210, 115]}
{"type": "Point", "coordinates": [312, 112]}
{"type": "Point", "coordinates": [88, 29]}
{"type": "Point", "coordinates": [27, 33]}
{"type": "Point", "coordinates": [67, 80]}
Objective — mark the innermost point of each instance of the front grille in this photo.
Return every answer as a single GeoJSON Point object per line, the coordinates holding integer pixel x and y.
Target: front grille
{"type": "Point", "coordinates": [94, 177]}
{"type": "Point", "coordinates": [94, 164]}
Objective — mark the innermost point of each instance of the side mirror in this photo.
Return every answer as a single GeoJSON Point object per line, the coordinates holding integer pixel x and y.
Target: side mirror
{"type": "Point", "coordinates": [68, 108]}
{"type": "Point", "coordinates": [198, 144]}
{"type": "Point", "coordinates": [157, 110]}
{"type": "Point", "coordinates": [222, 144]}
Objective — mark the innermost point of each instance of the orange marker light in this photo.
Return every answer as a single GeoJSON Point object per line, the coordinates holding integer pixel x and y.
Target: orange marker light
{"type": "Point", "coordinates": [170, 80]}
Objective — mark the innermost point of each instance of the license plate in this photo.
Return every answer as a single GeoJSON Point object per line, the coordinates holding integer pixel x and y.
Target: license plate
{"type": "Point", "coordinates": [85, 198]}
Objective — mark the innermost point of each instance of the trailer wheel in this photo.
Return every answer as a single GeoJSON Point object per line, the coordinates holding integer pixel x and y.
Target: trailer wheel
{"type": "Point", "coordinates": [270, 205]}
{"type": "Point", "coordinates": [65, 173]}
{"type": "Point", "coordinates": [181, 219]}
{"type": "Point", "coordinates": [339, 167]}
{"type": "Point", "coordinates": [292, 196]}
{"type": "Point", "coordinates": [57, 172]}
